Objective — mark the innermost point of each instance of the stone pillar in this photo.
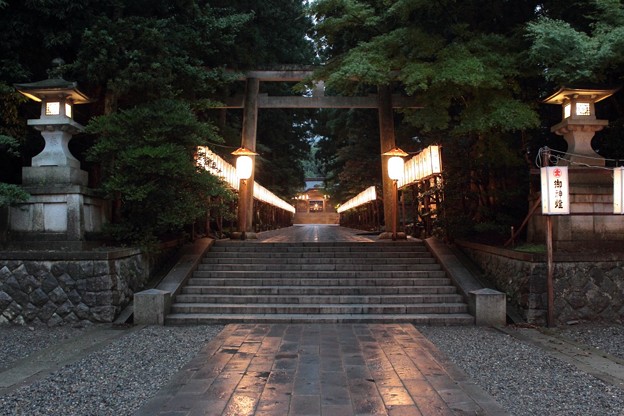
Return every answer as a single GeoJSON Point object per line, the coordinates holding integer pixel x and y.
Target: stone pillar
{"type": "Point", "coordinates": [250, 126]}
{"type": "Point", "coordinates": [387, 140]}
{"type": "Point", "coordinates": [490, 307]}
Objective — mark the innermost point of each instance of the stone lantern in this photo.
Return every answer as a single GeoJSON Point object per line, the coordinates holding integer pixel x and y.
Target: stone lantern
{"type": "Point", "coordinates": [61, 209]}
{"type": "Point", "coordinates": [55, 164]}
{"type": "Point", "coordinates": [579, 122]}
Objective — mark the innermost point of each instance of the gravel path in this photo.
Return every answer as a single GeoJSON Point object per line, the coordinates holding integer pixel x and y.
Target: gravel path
{"type": "Point", "coordinates": [114, 381]}
{"type": "Point", "coordinates": [524, 379]}
{"type": "Point", "coordinates": [17, 342]}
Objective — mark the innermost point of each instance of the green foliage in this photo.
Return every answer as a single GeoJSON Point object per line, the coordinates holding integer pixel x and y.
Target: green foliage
{"type": "Point", "coordinates": [148, 156]}
{"type": "Point", "coordinates": [10, 193]}
{"type": "Point", "coordinates": [143, 57]}
{"type": "Point", "coordinates": [569, 52]}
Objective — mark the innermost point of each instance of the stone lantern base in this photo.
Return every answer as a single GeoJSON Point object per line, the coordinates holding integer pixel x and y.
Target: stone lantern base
{"type": "Point", "coordinates": [591, 222]}
{"type": "Point", "coordinates": [60, 213]}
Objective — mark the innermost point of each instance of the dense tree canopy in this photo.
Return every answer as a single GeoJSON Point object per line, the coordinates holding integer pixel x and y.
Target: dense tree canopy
{"type": "Point", "coordinates": [479, 69]}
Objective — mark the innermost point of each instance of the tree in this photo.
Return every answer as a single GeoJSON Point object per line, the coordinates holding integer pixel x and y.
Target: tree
{"type": "Point", "coordinates": [148, 156]}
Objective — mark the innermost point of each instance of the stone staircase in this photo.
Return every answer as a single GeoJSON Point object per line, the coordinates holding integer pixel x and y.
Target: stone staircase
{"type": "Point", "coordinates": [319, 282]}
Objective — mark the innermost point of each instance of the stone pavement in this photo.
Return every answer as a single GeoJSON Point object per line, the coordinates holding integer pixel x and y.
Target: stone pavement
{"type": "Point", "coordinates": [312, 233]}
{"type": "Point", "coordinates": [320, 369]}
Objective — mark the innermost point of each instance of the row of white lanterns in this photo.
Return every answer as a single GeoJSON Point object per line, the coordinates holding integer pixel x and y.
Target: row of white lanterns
{"type": "Point", "coordinates": [214, 164]}
{"type": "Point", "coordinates": [425, 164]}
{"type": "Point", "coordinates": [367, 195]}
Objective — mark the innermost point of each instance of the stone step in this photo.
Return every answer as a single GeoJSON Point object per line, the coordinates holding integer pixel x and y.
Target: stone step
{"type": "Point", "coordinates": [244, 281]}
{"type": "Point", "coordinates": [251, 298]}
{"type": "Point", "coordinates": [328, 281]}
{"type": "Point", "coordinates": [318, 290]}
{"type": "Point", "coordinates": [416, 319]}
{"type": "Point", "coordinates": [236, 260]}
{"type": "Point", "coordinates": [320, 255]}
{"type": "Point", "coordinates": [341, 244]}
{"type": "Point", "coordinates": [257, 267]}
{"type": "Point", "coordinates": [364, 248]}
{"type": "Point", "coordinates": [278, 308]}
{"type": "Point", "coordinates": [322, 274]}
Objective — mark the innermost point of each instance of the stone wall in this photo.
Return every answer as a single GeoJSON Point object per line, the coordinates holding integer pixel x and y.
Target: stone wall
{"type": "Point", "coordinates": [67, 287]}
{"type": "Point", "coordinates": [587, 286]}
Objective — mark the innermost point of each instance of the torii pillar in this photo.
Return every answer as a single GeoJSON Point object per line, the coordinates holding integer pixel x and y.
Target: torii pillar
{"type": "Point", "coordinates": [387, 140]}
{"type": "Point", "coordinates": [248, 141]}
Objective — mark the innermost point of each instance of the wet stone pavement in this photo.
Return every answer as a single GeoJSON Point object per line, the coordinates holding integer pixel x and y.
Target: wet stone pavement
{"type": "Point", "coordinates": [320, 369]}
{"type": "Point", "coordinates": [314, 233]}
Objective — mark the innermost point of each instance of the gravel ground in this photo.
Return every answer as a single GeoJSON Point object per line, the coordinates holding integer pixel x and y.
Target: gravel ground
{"type": "Point", "coordinates": [607, 338]}
{"type": "Point", "coordinates": [17, 342]}
{"type": "Point", "coordinates": [114, 381]}
{"type": "Point", "coordinates": [524, 379]}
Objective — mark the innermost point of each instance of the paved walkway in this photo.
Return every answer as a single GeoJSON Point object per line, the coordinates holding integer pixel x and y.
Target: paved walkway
{"type": "Point", "coordinates": [320, 369]}
{"type": "Point", "coordinates": [315, 234]}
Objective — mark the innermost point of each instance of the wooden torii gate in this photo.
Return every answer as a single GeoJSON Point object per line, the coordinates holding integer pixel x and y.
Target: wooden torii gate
{"type": "Point", "coordinates": [252, 100]}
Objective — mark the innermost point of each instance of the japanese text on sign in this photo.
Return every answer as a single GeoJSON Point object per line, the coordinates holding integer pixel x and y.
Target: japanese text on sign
{"type": "Point", "coordinates": [555, 190]}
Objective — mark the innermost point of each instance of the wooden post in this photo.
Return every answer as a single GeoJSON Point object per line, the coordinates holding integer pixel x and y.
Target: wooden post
{"type": "Point", "coordinates": [402, 199]}
{"type": "Point", "coordinates": [250, 125]}
{"type": "Point", "coordinates": [387, 140]}
{"type": "Point", "coordinates": [550, 321]}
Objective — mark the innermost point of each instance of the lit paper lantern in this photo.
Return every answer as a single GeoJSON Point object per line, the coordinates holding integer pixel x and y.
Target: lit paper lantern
{"type": "Point", "coordinates": [555, 190]}
{"type": "Point", "coordinates": [618, 190]}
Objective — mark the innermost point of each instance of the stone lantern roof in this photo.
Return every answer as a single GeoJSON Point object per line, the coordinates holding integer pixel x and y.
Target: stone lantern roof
{"type": "Point", "coordinates": [595, 93]}
{"type": "Point", "coordinates": [56, 87]}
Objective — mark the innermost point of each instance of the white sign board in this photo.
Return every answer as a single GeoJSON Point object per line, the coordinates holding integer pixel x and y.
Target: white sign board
{"type": "Point", "coordinates": [555, 190]}
{"type": "Point", "coordinates": [618, 190]}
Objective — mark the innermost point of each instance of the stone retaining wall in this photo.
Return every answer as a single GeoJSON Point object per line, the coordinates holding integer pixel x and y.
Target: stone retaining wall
{"type": "Point", "coordinates": [66, 287]}
{"type": "Point", "coordinates": [588, 286]}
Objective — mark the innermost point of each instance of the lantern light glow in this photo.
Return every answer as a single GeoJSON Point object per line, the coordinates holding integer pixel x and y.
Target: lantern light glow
{"type": "Point", "coordinates": [52, 108]}
{"type": "Point", "coordinates": [396, 163]}
{"type": "Point", "coordinates": [367, 195]}
{"type": "Point", "coordinates": [244, 167]}
{"type": "Point", "coordinates": [395, 167]}
{"type": "Point", "coordinates": [244, 162]}
{"type": "Point", "coordinates": [618, 190]}
{"type": "Point", "coordinates": [583, 109]}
